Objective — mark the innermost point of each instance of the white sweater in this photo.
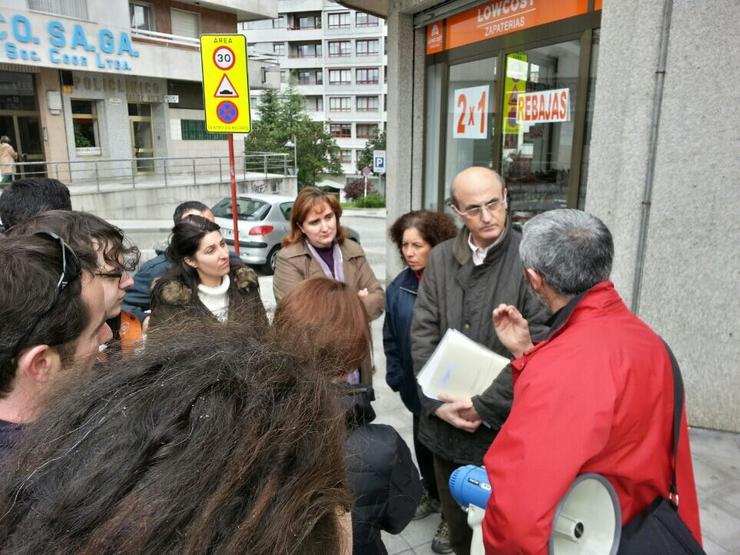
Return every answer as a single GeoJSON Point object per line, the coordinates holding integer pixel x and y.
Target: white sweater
{"type": "Point", "coordinates": [216, 298]}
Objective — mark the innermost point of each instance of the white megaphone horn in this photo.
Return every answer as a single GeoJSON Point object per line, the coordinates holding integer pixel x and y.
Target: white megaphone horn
{"type": "Point", "coordinates": [587, 520]}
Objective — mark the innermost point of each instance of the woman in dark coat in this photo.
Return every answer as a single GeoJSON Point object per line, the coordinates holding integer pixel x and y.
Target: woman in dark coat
{"type": "Point", "coordinates": [325, 320]}
{"type": "Point", "coordinates": [204, 282]}
{"type": "Point", "coordinates": [415, 234]}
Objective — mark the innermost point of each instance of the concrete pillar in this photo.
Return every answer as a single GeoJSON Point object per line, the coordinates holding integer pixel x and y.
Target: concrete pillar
{"type": "Point", "coordinates": [690, 270]}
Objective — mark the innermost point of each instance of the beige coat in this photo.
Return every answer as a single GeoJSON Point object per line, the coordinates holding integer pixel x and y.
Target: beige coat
{"type": "Point", "coordinates": [295, 264]}
{"type": "Point", "coordinates": [8, 157]}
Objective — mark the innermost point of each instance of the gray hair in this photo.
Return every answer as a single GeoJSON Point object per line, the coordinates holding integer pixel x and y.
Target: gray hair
{"type": "Point", "coordinates": [4, 139]}
{"type": "Point", "coordinates": [571, 249]}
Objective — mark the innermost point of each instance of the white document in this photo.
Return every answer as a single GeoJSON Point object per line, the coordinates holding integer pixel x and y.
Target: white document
{"type": "Point", "coordinates": [459, 366]}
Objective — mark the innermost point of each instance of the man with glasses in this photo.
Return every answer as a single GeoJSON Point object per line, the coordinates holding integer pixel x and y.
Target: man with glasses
{"type": "Point", "coordinates": [52, 321]}
{"type": "Point", "coordinates": [465, 279]}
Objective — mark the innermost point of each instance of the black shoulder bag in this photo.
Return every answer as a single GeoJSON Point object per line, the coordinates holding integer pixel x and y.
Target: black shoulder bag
{"type": "Point", "coordinates": [658, 529]}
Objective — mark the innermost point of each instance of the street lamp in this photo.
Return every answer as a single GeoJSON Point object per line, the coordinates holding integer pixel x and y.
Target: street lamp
{"type": "Point", "coordinates": [294, 143]}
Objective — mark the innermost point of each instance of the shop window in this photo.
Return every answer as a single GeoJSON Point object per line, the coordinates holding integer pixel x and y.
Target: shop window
{"type": "Point", "coordinates": [345, 155]}
{"type": "Point", "coordinates": [539, 108]}
{"type": "Point", "coordinates": [365, 20]}
{"type": "Point", "coordinates": [141, 16]}
{"type": "Point", "coordinates": [367, 103]}
{"type": "Point", "coordinates": [367, 130]}
{"type": "Point", "coordinates": [340, 48]}
{"type": "Point", "coordinates": [17, 92]}
{"type": "Point", "coordinates": [85, 125]}
{"type": "Point", "coordinates": [340, 77]}
{"type": "Point", "coordinates": [589, 119]}
{"type": "Point", "coordinates": [367, 47]}
{"type": "Point", "coordinates": [341, 130]}
{"type": "Point", "coordinates": [185, 24]}
{"type": "Point", "coordinates": [189, 94]}
{"type": "Point", "coordinates": [70, 8]}
{"type": "Point", "coordinates": [367, 75]}
{"type": "Point", "coordinates": [339, 20]}
{"type": "Point", "coordinates": [195, 130]}
{"type": "Point", "coordinates": [340, 103]}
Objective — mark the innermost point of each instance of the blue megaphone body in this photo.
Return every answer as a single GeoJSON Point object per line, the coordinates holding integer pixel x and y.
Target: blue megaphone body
{"type": "Point", "coordinates": [469, 485]}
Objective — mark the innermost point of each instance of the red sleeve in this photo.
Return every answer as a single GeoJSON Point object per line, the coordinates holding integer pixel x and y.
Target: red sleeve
{"type": "Point", "coordinates": [561, 417]}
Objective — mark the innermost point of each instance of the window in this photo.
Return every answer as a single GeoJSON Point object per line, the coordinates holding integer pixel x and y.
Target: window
{"type": "Point", "coordinates": [309, 22]}
{"type": "Point", "coordinates": [340, 76]}
{"type": "Point", "coordinates": [339, 48]}
{"type": "Point", "coordinates": [70, 8]}
{"type": "Point", "coordinates": [367, 47]}
{"type": "Point", "coordinates": [141, 16]}
{"type": "Point", "coordinates": [279, 22]}
{"type": "Point", "coordinates": [340, 130]}
{"type": "Point", "coordinates": [339, 20]}
{"type": "Point", "coordinates": [310, 77]}
{"type": "Point", "coordinates": [345, 155]}
{"type": "Point", "coordinates": [365, 20]}
{"type": "Point", "coordinates": [185, 24]}
{"type": "Point", "coordinates": [309, 50]}
{"type": "Point", "coordinates": [85, 124]}
{"type": "Point", "coordinates": [278, 48]}
{"type": "Point", "coordinates": [367, 75]}
{"type": "Point", "coordinates": [249, 209]}
{"type": "Point", "coordinates": [367, 130]}
{"type": "Point", "coordinates": [195, 130]}
{"type": "Point", "coordinates": [340, 103]}
{"type": "Point", "coordinates": [313, 103]}
{"type": "Point", "coordinates": [367, 104]}
{"type": "Point", "coordinates": [284, 73]}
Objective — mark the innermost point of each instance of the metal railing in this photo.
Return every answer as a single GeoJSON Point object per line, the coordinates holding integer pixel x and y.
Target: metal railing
{"type": "Point", "coordinates": [119, 174]}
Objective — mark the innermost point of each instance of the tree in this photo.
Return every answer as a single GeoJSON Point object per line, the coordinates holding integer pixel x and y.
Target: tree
{"type": "Point", "coordinates": [281, 119]}
{"type": "Point", "coordinates": [356, 189]}
{"type": "Point", "coordinates": [365, 157]}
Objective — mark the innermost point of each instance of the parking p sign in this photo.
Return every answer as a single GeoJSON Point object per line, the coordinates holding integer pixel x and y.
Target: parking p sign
{"type": "Point", "coordinates": [379, 161]}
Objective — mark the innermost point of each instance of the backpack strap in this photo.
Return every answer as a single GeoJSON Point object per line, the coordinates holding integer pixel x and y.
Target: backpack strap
{"type": "Point", "coordinates": [678, 393]}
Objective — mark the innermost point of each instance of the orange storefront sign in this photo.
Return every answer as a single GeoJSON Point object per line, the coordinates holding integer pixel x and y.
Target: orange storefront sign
{"type": "Point", "coordinates": [501, 17]}
{"type": "Point", "coordinates": [435, 37]}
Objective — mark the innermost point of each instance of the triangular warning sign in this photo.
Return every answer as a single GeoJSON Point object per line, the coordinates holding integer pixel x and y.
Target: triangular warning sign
{"type": "Point", "coordinates": [225, 89]}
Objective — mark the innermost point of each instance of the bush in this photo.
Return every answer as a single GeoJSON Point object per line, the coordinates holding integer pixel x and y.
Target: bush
{"type": "Point", "coordinates": [371, 201]}
{"type": "Point", "coordinates": [356, 189]}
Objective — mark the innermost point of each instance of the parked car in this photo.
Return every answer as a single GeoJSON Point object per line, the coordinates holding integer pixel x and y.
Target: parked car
{"type": "Point", "coordinates": [264, 219]}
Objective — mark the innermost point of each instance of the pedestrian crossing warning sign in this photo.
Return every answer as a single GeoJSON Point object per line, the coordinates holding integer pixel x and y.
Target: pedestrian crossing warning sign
{"type": "Point", "coordinates": [225, 83]}
{"type": "Point", "coordinates": [225, 89]}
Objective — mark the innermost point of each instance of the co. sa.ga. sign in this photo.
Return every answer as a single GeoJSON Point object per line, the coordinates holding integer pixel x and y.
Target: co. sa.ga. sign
{"type": "Point", "coordinates": [543, 106]}
{"type": "Point", "coordinates": [36, 39]}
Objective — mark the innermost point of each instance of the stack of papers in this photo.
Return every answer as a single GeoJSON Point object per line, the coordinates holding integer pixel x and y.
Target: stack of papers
{"type": "Point", "coordinates": [459, 366]}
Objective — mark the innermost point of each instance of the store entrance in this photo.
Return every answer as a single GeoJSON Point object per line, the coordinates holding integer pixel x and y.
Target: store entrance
{"type": "Point", "coordinates": [140, 120]}
{"type": "Point", "coordinates": [20, 122]}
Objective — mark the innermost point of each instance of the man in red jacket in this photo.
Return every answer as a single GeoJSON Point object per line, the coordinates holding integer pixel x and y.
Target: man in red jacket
{"type": "Point", "coordinates": [595, 396]}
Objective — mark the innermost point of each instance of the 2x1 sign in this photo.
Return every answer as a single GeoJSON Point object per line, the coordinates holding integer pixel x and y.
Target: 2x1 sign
{"type": "Point", "coordinates": [225, 83]}
{"type": "Point", "coordinates": [471, 113]}
{"type": "Point", "coordinates": [543, 106]}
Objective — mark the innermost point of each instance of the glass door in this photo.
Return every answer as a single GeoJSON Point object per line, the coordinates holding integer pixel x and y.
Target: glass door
{"type": "Point", "coordinates": [140, 120]}
{"type": "Point", "coordinates": [24, 133]}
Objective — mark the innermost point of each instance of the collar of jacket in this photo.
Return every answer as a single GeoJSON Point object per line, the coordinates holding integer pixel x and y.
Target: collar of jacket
{"type": "Point", "coordinates": [355, 400]}
{"type": "Point", "coordinates": [408, 282]}
{"type": "Point", "coordinates": [601, 298]}
{"type": "Point", "coordinates": [461, 249]}
{"type": "Point", "coordinates": [349, 249]}
{"type": "Point", "coordinates": [177, 293]}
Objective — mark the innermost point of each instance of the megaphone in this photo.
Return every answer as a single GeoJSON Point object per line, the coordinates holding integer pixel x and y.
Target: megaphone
{"type": "Point", "coordinates": [587, 520]}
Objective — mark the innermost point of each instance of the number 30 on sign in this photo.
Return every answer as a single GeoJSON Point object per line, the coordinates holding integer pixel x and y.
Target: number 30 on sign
{"type": "Point", "coordinates": [471, 113]}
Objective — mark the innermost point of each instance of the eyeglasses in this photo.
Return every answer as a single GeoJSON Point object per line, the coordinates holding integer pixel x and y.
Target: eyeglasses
{"type": "Point", "coordinates": [119, 275]}
{"type": "Point", "coordinates": [70, 271]}
{"type": "Point", "coordinates": [477, 211]}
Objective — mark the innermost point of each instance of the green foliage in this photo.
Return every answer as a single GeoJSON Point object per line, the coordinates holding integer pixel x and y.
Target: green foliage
{"type": "Point", "coordinates": [370, 201]}
{"type": "Point", "coordinates": [282, 117]}
{"type": "Point", "coordinates": [365, 157]}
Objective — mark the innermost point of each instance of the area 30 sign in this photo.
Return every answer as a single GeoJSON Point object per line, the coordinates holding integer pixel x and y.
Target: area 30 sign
{"type": "Point", "coordinates": [225, 83]}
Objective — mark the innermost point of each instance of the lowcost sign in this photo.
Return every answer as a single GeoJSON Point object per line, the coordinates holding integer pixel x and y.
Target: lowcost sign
{"type": "Point", "coordinates": [543, 106]}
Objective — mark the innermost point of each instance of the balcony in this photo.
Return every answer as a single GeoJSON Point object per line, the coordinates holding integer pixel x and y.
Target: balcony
{"type": "Point", "coordinates": [167, 55]}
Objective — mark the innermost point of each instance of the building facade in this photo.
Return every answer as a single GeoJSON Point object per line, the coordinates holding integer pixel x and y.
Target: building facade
{"type": "Point", "coordinates": [86, 83]}
{"type": "Point", "coordinates": [336, 58]}
{"type": "Point", "coordinates": [626, 109]}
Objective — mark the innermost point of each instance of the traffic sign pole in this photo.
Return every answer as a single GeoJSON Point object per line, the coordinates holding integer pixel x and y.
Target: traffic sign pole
{"type": "Point", "coordinates": [234, 208]}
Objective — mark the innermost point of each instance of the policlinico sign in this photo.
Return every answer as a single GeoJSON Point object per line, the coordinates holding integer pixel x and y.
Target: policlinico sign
{"type": "Point", "coordinates": [40, 40]}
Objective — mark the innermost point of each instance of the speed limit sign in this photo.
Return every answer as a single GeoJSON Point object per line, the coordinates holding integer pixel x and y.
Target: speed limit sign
{"type": "Point", "coordinates": [223, 57]}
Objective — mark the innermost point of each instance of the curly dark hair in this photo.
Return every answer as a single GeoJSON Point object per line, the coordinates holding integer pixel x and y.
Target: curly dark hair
{"type": "Point", "coordinates": [434, 227]}
{"type": "Point", "coordinates": [208, 441]}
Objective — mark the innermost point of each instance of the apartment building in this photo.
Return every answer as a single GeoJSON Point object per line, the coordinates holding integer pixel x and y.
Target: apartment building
{"type": "Point", "coordinates": [336, 58]}
{"type": "Point", "coordinates": [86, 81]}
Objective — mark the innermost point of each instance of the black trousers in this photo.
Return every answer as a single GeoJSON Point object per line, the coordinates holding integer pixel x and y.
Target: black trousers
{"type": "Point", "coordinates": [457, 519]}
{"type": "Point", "coordinates": [425, 460]}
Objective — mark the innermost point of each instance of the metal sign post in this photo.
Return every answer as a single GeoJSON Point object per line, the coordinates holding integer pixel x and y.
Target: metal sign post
{"type": "Point", "coordinates": [226, 98]}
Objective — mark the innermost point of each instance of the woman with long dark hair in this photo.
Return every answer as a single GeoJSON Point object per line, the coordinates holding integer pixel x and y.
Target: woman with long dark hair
{"type": "Point", "coordinates": [415, 234]}
{"type": "Point", "coordinates": [208, 441]}
{"type": "Point", "coordinates": [204, 281]}
{"type": "Point", "coordinates": [318, 246]}
{"type": "Point", "coordinates": [324, 320]}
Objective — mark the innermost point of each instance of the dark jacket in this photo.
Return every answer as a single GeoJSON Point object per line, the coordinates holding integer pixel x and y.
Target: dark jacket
{"type": "Point", "coordinates": [457, 294]}
{"type": "Point", "coordinates": [174, 301]}
{"type": "Point", "coordinates": [384, 481]}
{"type": "Point", "coordinates": [400, 298]}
